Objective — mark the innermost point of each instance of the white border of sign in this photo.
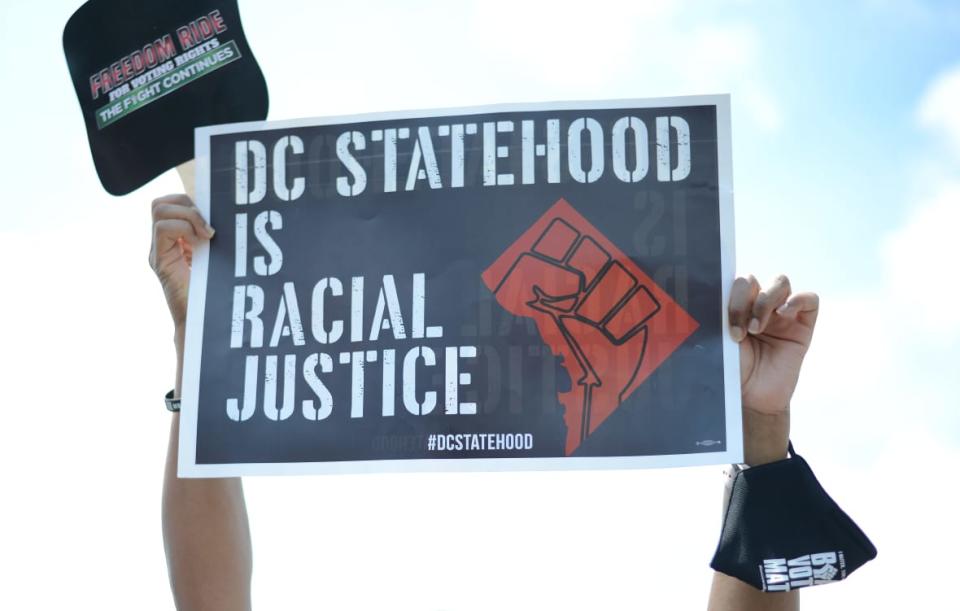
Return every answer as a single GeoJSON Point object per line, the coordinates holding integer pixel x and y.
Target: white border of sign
{"type": "Point", "coordinates": [187, 466]}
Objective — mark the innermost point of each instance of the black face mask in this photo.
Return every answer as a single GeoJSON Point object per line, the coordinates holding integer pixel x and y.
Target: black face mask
{"type": "Point", "coordinates": [782, 531]}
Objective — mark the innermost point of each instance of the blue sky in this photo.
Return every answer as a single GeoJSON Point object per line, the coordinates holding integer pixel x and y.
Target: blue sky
{"type": "Point", "coordinates": [848, 77]}
{"type": "Point", "coordinates": [839, 81]}
{"type": "Point", "coordinates": [846, 175]}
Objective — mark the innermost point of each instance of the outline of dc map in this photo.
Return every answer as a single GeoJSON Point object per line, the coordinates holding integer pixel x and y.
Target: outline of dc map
{"type": "Point", "coordinates": [593, 307]}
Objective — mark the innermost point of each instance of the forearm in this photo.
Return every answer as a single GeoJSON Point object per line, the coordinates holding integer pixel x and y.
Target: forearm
{"type": "Point", "coordinates": [765, 440]}
{"type": "Point", "coordinates": [205, 533]}
{"type": "Point", "coordinates": [765, 437]}
{"type": "Point", "coordinates": [730, 594]}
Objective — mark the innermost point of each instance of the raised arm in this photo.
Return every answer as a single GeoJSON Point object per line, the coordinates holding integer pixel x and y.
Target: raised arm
{"type": "Point", "coordinates": [205, 530]}
{"type": "Point", "coordinates": [774, 328]}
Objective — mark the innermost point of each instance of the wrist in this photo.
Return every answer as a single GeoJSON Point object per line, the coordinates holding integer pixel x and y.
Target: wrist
{"type": "Point", "coordinates": [765, 436]}
{"type": "Point", "coordinates": [179, 336]}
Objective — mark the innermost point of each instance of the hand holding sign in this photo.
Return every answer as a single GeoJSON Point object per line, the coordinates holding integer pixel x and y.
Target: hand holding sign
{"type": "Point", "coordinates": [782, 324]}
{"type": "Point", "coordinates": [774, 328]}
{"type": "Point", "coordinates": [177, 228]}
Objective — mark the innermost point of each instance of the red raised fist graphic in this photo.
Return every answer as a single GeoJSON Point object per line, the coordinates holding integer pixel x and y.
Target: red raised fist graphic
{"type": "Point", "coordinates": [592, 306]}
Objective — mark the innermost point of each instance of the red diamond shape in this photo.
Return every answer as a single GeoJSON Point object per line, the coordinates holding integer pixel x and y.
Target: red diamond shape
{"type": "Point", "coordinates": [594, 307]}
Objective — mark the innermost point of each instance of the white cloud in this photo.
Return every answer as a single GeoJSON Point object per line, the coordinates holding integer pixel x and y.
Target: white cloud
{"type": "Point", "coordinates": [885, 361]}
{"type": "Point", "coordinates": [939, 109]}
{"type": "Point", "coordinates": [559, 41]}
{"type": "Point", "coordinates": [877, 408]}
{"type": "Point", "coordinates": [725, 58]}
{"type": "Point", "coordinates": [429, 54]}
{"type": "Point", "coordinates": [921, 260]}
{"type": "Point", "coordinates": [902, 504]}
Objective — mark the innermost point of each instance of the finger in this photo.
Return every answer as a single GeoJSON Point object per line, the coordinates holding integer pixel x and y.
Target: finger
{"type": "Point", "coordinates": [186, 248]}
{"type": "Point", "coordinates": [162, 205]}
{"type": "Point", "coordinates": [178, 199]}
{"type": "Point", "coordinates": [767, 302]}
{"type": "Point", "coordinates": [166, 211]}
{"type": "Point", "coordinates": [742, 294]}
{"type": "Point", "coordinates": [167, 234]}
{"type": "Point", "coordinates": [806, 305]}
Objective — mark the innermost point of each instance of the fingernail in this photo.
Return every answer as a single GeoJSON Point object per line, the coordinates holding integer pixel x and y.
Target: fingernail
{"type": "Point", "coordinates": [783, 309]}
{"type": "Point", "coordinates": [210, 231]}
{"type": "Point", "coordinates": [736, 333]}
{"type": "Point", "coordinates": [754, 326]}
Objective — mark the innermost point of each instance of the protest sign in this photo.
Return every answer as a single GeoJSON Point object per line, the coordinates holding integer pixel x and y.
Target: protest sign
{"type": "Point", "coordinates": [507, 287]}
{"type": "Point", "coordinates": [147, 73]}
